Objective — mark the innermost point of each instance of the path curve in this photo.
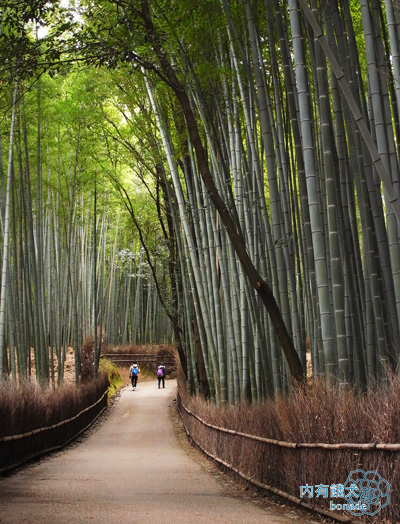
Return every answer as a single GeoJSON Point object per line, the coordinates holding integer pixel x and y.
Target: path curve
{"type": "Point", "coordinates": [130, 470]}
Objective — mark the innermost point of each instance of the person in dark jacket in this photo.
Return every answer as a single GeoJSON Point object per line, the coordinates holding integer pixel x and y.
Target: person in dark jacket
{"type": "Point", "coordinates": [161, 375]}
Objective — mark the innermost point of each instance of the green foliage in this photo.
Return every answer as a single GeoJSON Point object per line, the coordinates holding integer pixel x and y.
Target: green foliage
{"type": "Point", "coordinates": [281, 144]}
{"type": "Point", "coordinates": [114, 378]}
{"type": "Point", "coordinates": [23, 54]}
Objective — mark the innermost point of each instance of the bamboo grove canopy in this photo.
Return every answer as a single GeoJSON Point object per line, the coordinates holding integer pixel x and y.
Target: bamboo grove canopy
{"type": "Point", "coordinates": [267, 133]}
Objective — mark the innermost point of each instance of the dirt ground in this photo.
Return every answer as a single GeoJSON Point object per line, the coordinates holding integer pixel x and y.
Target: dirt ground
{"type": "Point", "coordinates": [135, 466]}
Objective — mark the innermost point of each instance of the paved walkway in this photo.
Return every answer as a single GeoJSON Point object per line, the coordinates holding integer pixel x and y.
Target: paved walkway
{"type": "Point", "coordinates": [130, 470]}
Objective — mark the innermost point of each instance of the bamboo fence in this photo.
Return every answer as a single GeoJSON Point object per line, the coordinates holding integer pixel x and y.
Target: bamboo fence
{"type": "Point", "coordinates": [365, 447]}
{"type": "Point", "coordinates": [16, 450]}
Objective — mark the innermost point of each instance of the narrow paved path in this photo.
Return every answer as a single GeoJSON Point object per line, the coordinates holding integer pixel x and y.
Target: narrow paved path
{"type": "Point", "coordinates": [130, 470]}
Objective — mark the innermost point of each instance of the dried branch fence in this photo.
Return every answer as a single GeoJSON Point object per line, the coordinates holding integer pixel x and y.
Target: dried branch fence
{"type": "Point", "coordinates": [282, 467]}
{"type": "Point", "coordinates": [16, 450]}
{"type": "Point", "coordinates": [126, 359]}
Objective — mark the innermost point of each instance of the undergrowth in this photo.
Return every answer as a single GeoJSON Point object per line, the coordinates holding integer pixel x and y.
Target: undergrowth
{"type": "Point", "coordinates": [26, 406]}
{"type": "Point", "coordinates": [115, 381]}
{"type": "Point", "coordinates": [318, 415]}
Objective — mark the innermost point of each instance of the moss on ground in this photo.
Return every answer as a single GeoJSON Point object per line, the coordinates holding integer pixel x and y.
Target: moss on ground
{"type": "Point", "coordinates": [114, 378]}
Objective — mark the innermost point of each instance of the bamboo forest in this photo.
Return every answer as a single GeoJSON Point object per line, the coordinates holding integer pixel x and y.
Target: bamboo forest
{"type": "Point", "coordinates": [220, 175]}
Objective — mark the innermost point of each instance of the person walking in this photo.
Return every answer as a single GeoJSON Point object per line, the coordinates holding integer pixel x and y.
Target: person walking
{"type": "Point", "coordinates": [161, 375]}
{"type": "Point", "coordinates": [134, 371]}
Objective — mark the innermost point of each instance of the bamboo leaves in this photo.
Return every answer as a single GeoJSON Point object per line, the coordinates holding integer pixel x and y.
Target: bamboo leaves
{"type": "Point", "coordinates": [266, 155]}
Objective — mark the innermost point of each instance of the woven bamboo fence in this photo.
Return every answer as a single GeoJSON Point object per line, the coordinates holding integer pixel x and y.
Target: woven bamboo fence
{"type": "Point", "coordinates": [282, 467]}
{"type": "Point", "coordinates": [16, 450]}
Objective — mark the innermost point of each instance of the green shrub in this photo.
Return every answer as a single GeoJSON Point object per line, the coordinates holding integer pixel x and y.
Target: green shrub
{"type": "Point", "coordinates": [114, 378]}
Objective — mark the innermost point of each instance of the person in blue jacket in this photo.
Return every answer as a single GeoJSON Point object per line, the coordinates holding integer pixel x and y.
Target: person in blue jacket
{"type": "Point", "coordinates": [134, 371]}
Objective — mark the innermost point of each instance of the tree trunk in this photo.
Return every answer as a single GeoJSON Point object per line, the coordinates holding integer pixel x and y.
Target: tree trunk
{"type": "Point", "coordinates": [251, 272]}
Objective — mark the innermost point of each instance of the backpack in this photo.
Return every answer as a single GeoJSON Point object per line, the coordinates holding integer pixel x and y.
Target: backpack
{"type": "Point", "coordinates": [135, 370]}
{"type": "Point", "coordinates": [160, 372]}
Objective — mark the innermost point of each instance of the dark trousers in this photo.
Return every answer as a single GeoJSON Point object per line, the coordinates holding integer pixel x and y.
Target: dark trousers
{"type": "Point", "coordinates": [163, 381]}
{"type": "Point", "coordinates": [134, 380]}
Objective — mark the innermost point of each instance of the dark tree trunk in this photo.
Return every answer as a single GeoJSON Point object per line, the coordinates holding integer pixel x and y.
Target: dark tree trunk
{"type": "Point", "coordinates": [250, 270]}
